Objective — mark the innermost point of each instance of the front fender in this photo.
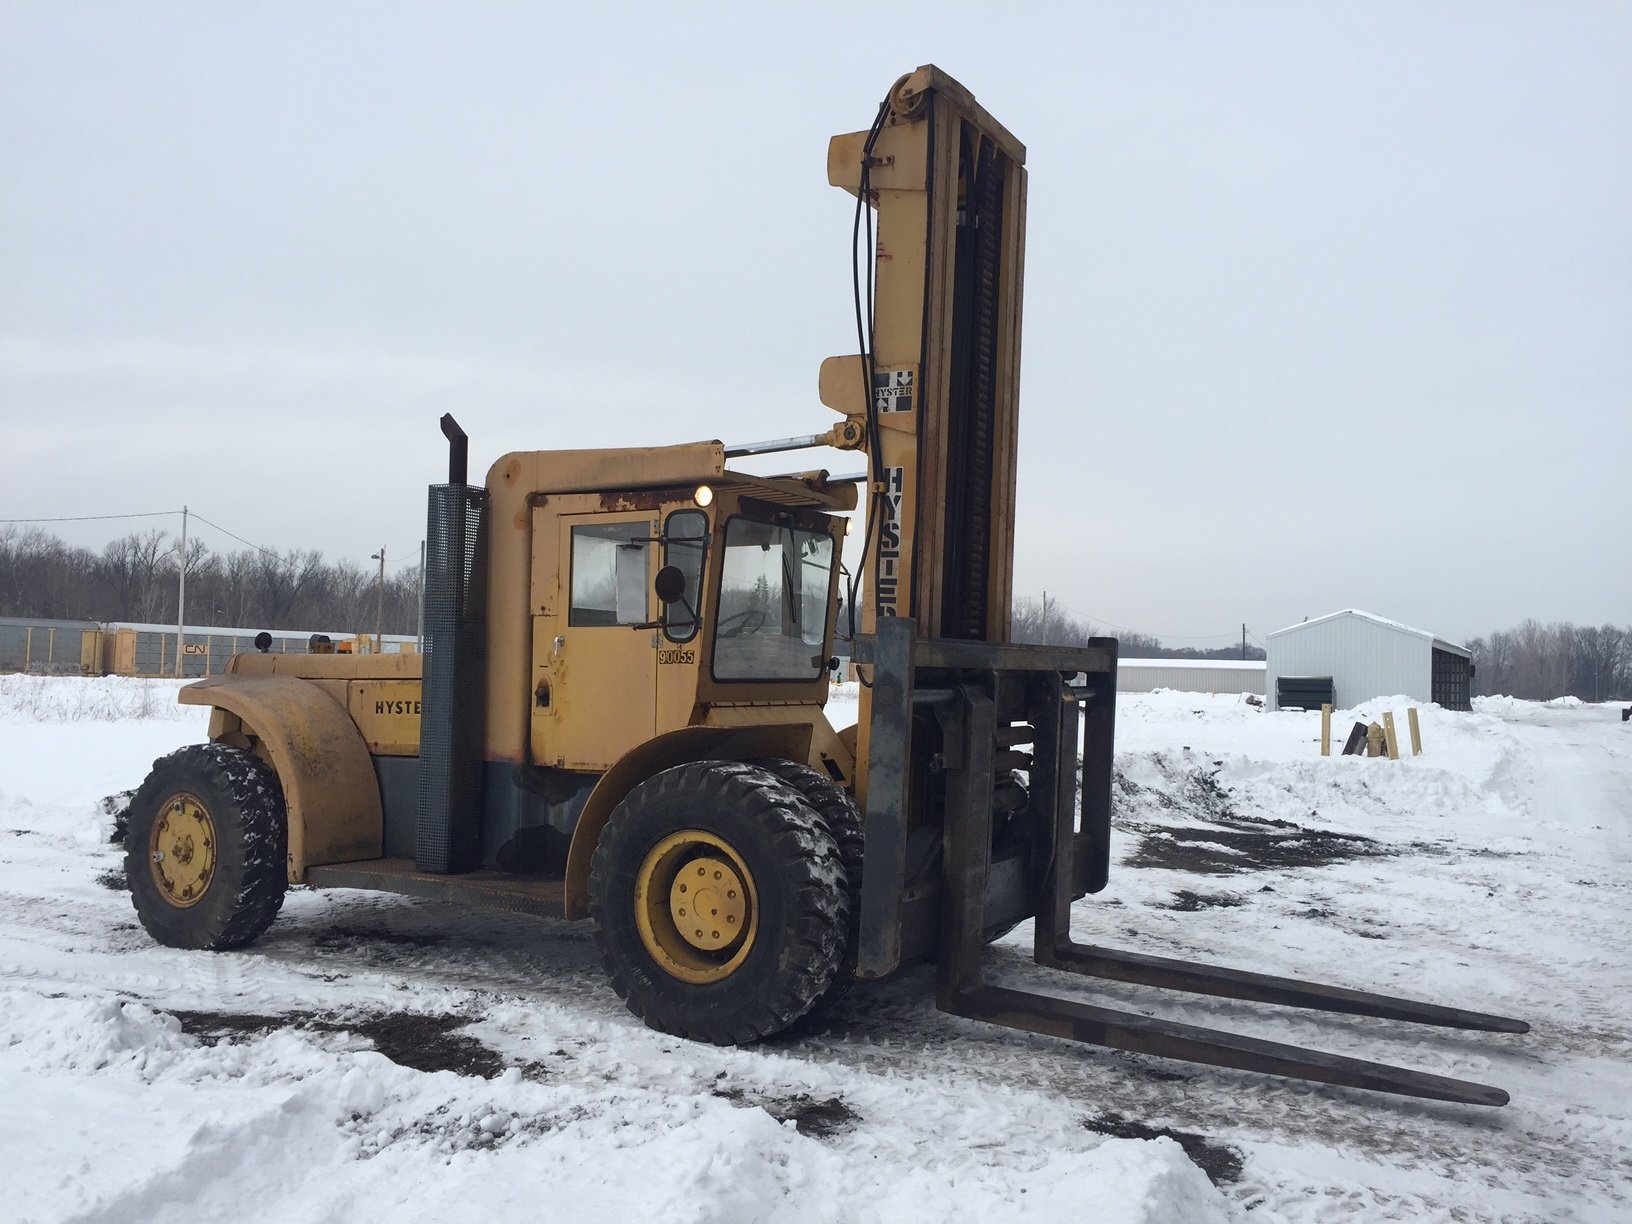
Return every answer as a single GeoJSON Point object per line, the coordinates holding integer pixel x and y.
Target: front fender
{"type": "Point", "coordinates": [329, 788]}
{"type": "Point", "coordinates": [791, 740]}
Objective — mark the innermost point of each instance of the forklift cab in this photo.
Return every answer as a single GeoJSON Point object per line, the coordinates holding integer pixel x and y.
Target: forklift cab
{"type": "Point", "coordinates": [648, 615]}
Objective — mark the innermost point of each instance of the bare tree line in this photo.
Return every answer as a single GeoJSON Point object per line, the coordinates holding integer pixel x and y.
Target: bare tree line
{"type": "Point", "coordinates": [1050, 626]}
{"type": "Point", "coordinates": [134, 579]}
{"type": "Point", "coordinates": [1541, 662]}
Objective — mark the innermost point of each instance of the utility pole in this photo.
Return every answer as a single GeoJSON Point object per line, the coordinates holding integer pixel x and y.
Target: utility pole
{"type": "Point", "coordinates": [1043, 633]}
{"type": "Point", "coordinates": [420, 644]}
{"type": "Point", "coordinates": [1243, 641]}
{"type": "Point", "coordinates": [379, 603]}
{"type": "Point", "coordinates": [181, 599]}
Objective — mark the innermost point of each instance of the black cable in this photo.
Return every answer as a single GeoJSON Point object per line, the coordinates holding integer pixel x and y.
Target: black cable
{"type": "Point", "coordinates": [268, 552]}
{"type": "Point", "coordinates": [866, 319]}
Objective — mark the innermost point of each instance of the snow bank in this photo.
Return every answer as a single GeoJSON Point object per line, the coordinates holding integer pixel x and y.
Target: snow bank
{"type": "Point", "coordinates": [118, 1116]}
{"type": "Point", "coordinates": [58, 699]}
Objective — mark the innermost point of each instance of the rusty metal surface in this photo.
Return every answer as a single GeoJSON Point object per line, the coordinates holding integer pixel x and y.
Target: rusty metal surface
{"type": "Point", "coordinates": [1093, 856]}
{"type": "Point", "coordinates": [387, 714]}
{"type": "Point", "coordinates": [885, 800]}
{"type": "Point", "coordinates": [1172, 974]}
{"type": "Point", "coordinates": [329, 667]}
{"type": "Point", "coordinates": [1100, 657]}
{"type": "Point", "coordinates": [1145, 1035]}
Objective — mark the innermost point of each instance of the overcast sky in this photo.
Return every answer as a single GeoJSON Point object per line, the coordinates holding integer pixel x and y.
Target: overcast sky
{"type": "Point", "coordinates": [1326, 305]}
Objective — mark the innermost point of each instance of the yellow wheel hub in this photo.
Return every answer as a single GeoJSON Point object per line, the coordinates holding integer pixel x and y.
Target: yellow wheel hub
{"type": "Point", "coordinates": [181, 850]}
{"type": "Point", "coordinates": [696, 906]}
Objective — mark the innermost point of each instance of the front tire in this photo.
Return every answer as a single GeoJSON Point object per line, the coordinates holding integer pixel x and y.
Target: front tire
{"type": "Point", "coordinates": [843, 818]}
{"type": "Point", "coordinates": [719, 902]}
{"type": "Point", "coordinates": [206, 846]}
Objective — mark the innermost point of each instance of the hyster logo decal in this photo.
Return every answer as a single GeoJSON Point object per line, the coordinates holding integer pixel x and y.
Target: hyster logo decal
{"type": "Point", "coordinates": [397, 707]}
{"type": "Point", "coordinates": [889, 541]}
{"type": "Point", "coordinates": [892, 390]}
{"type": "Point", "coordinates": [677, 656]}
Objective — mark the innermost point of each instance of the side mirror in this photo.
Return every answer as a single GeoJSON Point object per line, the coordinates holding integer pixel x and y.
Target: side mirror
{"type": "Point", "coordinates": [670, 584]}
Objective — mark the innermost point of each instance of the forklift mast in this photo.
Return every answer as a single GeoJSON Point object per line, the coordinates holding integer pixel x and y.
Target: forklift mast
{"type": "Point", "coordinates": [938, 376]}
{"type": "Point", "coordinates": [935, 385]}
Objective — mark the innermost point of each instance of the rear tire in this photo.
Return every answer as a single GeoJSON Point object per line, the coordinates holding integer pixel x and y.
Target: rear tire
{"type": "Point", "coordinates": [756, 855]}
{"type": "Point", "coordinates": [206, 847]}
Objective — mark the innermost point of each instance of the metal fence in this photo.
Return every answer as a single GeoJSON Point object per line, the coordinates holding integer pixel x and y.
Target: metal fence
{"type": "Point", "coordinates": [86, 648]}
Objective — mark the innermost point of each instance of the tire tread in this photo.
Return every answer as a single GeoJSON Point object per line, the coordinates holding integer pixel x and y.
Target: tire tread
{"type": "Point", "coordinates": [258, 822]}
{"type": "Point", "coordinates": [796, 838]}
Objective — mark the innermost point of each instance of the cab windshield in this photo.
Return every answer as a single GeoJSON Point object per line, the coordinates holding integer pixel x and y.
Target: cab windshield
{"type": "Point", "coordinates": [775, 592]}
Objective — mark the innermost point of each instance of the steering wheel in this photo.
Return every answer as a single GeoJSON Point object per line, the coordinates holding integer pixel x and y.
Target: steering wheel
{"type": "Point", "coordinates": [739, 624]}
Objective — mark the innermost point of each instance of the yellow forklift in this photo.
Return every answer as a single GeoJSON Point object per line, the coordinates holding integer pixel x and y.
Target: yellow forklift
{"type": "Point", "coordinates": [619, 711]}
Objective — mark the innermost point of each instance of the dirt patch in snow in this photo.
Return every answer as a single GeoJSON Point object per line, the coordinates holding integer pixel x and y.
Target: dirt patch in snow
{"type": "Point", "coordinates": [428, 1043]}
{"type": "Point", "coordinates": [1188, 902]}
{"type": "Point", "coordinates": [1228, 851]}
{"type": "Point", "coordinates": [1189, 824]}
{"type": "Point", "coordinates": [817, 1119]}
{"type": "Point", "coordinates": [114, 878]}
{"type": "Point", "coordinates": [368, 939]}
{"type": "Point", "coordinates": [409, 1039]}
{"type": "Point", "coordinates": [1221, 1163]}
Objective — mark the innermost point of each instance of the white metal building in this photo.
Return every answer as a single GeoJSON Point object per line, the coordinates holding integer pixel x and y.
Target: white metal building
{"type": "Point", "coordinates": [1364, 656]}
{"type": "Point", "coordinates": [1190, 675]}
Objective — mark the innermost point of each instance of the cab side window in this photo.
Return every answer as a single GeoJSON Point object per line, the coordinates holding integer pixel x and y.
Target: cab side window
{"type": "Point", "coordinates": [608, 574]}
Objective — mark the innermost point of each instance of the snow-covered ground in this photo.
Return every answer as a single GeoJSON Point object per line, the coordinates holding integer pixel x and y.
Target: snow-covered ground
{"type": "Point", "coordinates": [374, 1057]}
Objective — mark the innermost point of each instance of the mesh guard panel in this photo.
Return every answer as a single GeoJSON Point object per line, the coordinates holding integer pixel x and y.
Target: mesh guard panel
{"type": "Point", "coordinates": [447, 834]}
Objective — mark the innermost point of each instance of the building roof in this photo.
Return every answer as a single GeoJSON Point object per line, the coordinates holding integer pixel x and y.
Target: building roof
{"type": "Point", "coordinates": [1213, 664]}
{"type": "Point", "coordinates": [37, 622]}
{"type": "Point", "coordinates": [1442, 643]}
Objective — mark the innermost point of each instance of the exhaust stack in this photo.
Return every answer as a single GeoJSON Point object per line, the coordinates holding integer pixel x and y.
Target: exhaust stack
{"type": "Point", "coordinates": [447, 834]}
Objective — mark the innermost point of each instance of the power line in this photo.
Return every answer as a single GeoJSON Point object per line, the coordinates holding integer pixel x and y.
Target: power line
{"type": "Point", "coordinates": [268, 552]}
{"type": "Point", "coordinates": [87, 518]}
